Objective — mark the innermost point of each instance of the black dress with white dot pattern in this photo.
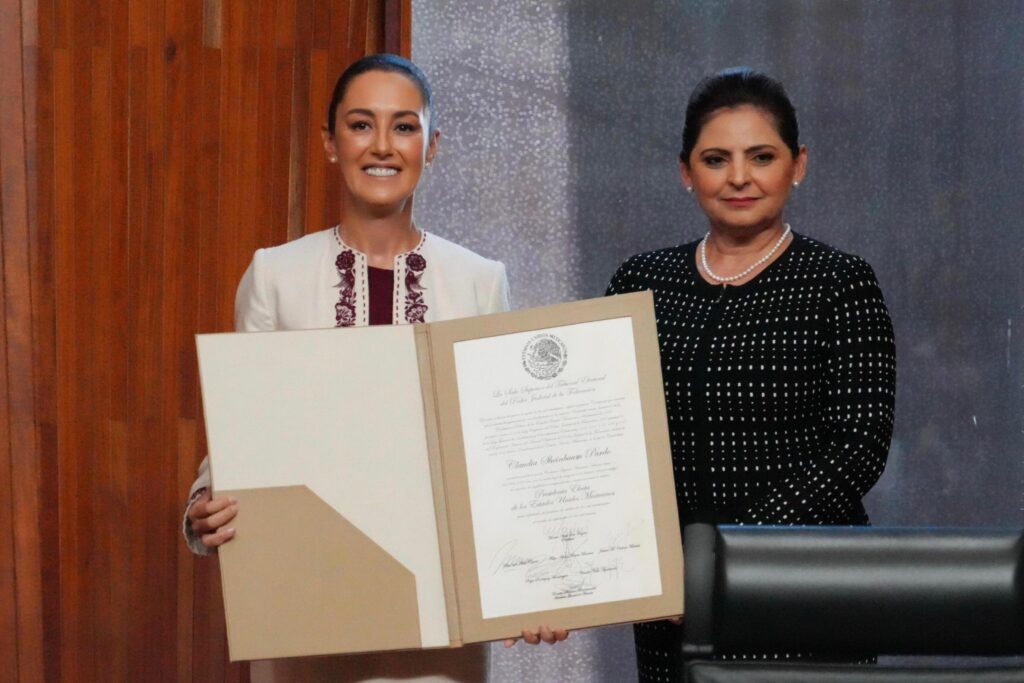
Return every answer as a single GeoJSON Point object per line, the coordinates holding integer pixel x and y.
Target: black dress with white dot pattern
{"type": "Point", "coordinates": [780, 395]}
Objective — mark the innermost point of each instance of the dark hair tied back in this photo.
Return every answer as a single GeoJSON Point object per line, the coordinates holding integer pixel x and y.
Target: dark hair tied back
{"type": "Point", "coordinates": [381, 62]}
{"type": "Point", "coordinates": [736, 87]}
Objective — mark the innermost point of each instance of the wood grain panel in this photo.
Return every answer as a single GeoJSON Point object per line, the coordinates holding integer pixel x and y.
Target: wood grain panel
{"type": "Point", "coordinates": [318, 209]}
{"type": "Point", "coordinates": [39, 86]}
{"type": "Point", "coordinates": [300, 106]}
{"type": "Point", "coordinates": [20, 539]}
{"type": "Point", "coordinates": [114, 144]}
{"type": "Point", "coordinates": [8, 584]}
{"type": "Point", "coordinates": [147, 147]}
{"type": "Point", "coordinates": [68, 586]}
{"type": "Point", "coordinates": [38, 78]}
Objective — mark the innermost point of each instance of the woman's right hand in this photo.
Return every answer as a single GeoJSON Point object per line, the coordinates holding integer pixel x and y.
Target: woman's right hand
{"type": "Point", "coordinates": [209, 516]}
{"type": "Point", "coordinates": [544, 633]}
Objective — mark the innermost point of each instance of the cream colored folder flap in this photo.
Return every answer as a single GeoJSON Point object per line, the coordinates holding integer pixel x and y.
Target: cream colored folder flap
{"type": "Point", "coordinates": [332, 419]}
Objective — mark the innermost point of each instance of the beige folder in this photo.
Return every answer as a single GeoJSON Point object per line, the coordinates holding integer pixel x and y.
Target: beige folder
{"type": "Point", "coordinates": [345, 451]}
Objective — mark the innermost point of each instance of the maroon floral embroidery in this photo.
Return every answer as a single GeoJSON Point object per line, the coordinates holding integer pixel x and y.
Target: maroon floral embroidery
{"type": "Point", "coordinates": [415, 307]}
{"type": "Point", "coordinates": [414, 313]}
{"type": "Point", "coordinates": [345, 309]}
{"type": "Point", "coordinates": [416, 262]}
{"type": "Point", "coordinates": [345, 260]}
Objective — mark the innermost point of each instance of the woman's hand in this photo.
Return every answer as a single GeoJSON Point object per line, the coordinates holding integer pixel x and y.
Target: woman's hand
{"type": "Point", "coordinates": [544, 633]}
{"type": "Point", "coordinates": [208, 517]}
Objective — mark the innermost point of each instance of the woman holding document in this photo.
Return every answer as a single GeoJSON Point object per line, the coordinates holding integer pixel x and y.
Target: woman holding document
{"type": "Point", "coordinates": [376, 267]}
{"type": "Point", "coordinates": [777, 350]}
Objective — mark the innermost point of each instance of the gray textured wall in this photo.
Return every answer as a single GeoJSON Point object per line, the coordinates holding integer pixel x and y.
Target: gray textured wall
{"type": "Point", "coordinates": [561, 122]}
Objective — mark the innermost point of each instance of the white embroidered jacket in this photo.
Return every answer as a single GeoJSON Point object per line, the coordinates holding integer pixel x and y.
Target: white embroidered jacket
{"type": "Point", "coordinates": [317, 281]}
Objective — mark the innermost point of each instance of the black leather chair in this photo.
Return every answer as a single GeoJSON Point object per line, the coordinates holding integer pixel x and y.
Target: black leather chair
{"type": "Point", "coordinates": [852, 592]}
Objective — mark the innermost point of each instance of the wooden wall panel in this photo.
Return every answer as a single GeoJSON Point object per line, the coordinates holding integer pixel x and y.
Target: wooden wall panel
{"type": "Point", "coordinates": [21, 607]}
{"type": "Point", "coordinates": [147, 147]}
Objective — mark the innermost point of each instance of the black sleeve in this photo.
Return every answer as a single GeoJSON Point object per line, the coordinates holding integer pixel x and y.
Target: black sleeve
{"type": "Point", "coordinates": [859, 412]}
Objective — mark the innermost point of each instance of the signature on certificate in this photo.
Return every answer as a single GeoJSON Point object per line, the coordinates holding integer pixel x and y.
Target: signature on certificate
{"type": "Point", "coordinates": [569, 559]}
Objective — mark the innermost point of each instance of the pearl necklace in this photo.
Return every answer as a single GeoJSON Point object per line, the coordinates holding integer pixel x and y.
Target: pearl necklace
{"type": "Point", "coordinates": [748, 271]}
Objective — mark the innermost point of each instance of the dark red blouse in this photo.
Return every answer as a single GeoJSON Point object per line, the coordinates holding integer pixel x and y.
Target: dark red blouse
{"type": "Point", "coordinates": [381, 286]}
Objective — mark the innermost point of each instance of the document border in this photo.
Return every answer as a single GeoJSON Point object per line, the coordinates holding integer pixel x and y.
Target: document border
{"type": "Point", "coordinates": [443, 336]}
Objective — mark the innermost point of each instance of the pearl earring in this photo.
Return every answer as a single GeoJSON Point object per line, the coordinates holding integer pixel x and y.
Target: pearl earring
{"type": "Point", "coordinates": [333, 159]}
{"type": "Point", "coordinates": [796, 183]}
{"type": "Point", "coordinates": [689, 188]}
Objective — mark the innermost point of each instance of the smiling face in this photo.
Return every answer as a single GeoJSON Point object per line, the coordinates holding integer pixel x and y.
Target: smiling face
{"type": "Point", "coordinates": [741, 171]}
{"type": "Point", "coordinates": [381, 140]}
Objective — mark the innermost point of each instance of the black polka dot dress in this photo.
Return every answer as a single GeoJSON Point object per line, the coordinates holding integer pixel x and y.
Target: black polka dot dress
{"type": "Point", "coordinates": [779, 393]}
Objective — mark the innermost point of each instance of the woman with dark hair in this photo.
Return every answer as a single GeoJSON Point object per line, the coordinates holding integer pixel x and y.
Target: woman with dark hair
{"type": "Point", "coordinates": [375, 267]}
{"type": "Point", "coordinates": [777, 350]}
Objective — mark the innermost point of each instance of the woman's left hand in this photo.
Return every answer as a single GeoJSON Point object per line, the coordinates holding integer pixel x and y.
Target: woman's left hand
{"type": "Point", "coordinates": [544, 633]}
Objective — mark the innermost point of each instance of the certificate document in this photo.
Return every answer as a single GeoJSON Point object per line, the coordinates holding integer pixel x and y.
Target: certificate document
{"type": "Point", "coordinates": [444, 483]}
{"type": "Point", "coordinates": [557, 468]}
